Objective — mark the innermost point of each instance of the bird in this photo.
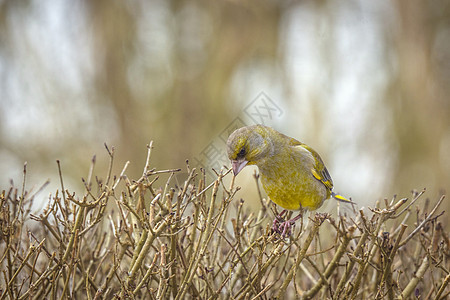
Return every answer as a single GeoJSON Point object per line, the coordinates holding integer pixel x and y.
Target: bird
{"type": "Point", "coordinates": [292, 173]}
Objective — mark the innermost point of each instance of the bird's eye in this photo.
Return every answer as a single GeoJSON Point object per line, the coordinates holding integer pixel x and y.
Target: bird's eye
{"type": "Point", "coordinates": [241, 152]}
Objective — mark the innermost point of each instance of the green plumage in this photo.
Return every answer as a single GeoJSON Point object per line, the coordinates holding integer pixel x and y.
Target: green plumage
{"type": "Point", "coordinates": [293, 174]}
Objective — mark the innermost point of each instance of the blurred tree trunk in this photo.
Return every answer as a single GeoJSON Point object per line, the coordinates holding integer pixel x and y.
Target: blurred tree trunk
{"type": "Point", "coordinates": [421, 114]}
{"type": "Point", "coordinates": [195, 108]}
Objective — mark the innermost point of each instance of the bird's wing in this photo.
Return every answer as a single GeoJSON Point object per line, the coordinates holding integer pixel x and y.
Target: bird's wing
{"type": "Point", "coordinates": [319, 171]}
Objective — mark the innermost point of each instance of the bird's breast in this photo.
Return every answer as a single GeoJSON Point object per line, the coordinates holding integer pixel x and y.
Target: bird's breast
{"type": "Point", "coordinates": [293, 189]}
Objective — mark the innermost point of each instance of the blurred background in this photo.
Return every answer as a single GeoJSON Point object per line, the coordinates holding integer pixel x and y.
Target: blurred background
{"type": "Point", "coordinates": [365, 83]}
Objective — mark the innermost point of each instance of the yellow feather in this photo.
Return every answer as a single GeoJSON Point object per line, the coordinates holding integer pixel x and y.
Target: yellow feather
{"type": "Point", "coordinates": [292, 173]}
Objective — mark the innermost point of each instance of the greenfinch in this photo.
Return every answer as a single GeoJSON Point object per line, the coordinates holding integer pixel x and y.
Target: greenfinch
{"type": "Point", "coordinates": [292, 173]}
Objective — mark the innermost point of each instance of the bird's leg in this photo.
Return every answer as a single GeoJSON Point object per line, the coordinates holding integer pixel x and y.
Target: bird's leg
{"type": "Point", "coordinates": [279, 217]}
{"type": "Point", "coordinates": [278, 220]}
{"type": "Point", "coordinates": [286, 225]}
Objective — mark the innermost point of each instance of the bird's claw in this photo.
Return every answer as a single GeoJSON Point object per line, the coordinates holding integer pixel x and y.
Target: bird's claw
{"type": "Point", "coordinates": [282, 226]}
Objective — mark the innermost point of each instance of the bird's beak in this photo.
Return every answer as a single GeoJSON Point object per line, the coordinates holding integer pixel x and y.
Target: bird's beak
{"type": "Point", "coordinates": [238, 165]}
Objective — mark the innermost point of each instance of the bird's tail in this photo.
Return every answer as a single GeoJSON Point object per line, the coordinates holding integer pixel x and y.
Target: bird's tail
{"type": "Point", "coordinates": [341, 198]}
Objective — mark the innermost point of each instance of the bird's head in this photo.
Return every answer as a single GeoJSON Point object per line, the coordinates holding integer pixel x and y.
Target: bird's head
{"type": "Point", "coordinates": [248, 146]}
